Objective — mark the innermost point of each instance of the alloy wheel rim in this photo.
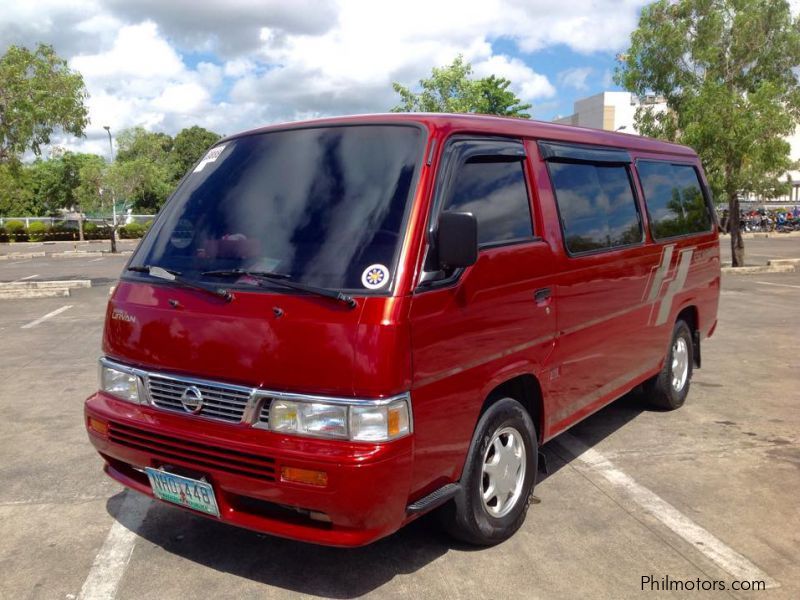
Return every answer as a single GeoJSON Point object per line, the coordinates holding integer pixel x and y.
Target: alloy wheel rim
{"type": "Point", "coordinates": [503, 473]}
{"type": "Point", "coordinates": [680, 364]}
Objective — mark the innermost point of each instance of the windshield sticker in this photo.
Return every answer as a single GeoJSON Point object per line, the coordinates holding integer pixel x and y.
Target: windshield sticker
{"type": "Point", "coordinates": [183, 234]}
{"type": "Point", "coordinates": [212, 155]}
{"type": "Point", "coordinates": [375, 277]}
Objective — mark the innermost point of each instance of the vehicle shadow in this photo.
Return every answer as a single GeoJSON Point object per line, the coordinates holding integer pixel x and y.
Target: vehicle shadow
{"type": "Point", "coordinates": [593, 430]}
{"type": "Point", "coordinates": [293, 566]}
{"type": "Point", "coordinates": [333, 572]}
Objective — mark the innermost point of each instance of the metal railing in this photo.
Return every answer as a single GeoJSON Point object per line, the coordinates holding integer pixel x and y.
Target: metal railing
{"type": "Point", "coordinates": [122, 219]}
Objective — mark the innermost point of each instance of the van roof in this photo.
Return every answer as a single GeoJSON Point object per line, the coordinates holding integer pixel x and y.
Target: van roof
{"type": "Point", "coordinates": [491, 124]}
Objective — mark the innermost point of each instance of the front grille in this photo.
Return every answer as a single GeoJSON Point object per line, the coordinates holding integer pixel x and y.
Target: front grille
{"type": "Point", "coordinates": [221, 402]}
{"type": "Point", "coordinates": [263, 415]}
{"type": "Point", "coordinates": [197, 455]}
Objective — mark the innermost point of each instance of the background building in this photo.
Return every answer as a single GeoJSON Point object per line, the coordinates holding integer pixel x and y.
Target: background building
{"type": "Point", "coordinates": [612, 111]}
{"type": "Point", "coordinates": [615, 111]}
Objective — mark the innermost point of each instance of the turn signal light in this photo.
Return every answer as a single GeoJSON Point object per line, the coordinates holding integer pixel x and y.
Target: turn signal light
{"type": "Point", "coordinates": [295, 475]}
{"type": "Point", "coordinates": [394, 428]}
{"type": "Point", "coordinates": [99, 427]}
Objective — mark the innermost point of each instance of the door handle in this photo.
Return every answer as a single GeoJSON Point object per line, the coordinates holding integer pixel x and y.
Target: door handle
{"type": "Point", "coordinates": [542, 296]}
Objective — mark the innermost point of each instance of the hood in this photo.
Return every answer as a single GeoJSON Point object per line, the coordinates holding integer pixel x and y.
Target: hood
{"type": "Point", "coordinates": [285, 342]}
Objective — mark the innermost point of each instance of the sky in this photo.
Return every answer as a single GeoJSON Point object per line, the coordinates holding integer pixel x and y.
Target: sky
{"type": "Point", "coordinates": [238, 64]}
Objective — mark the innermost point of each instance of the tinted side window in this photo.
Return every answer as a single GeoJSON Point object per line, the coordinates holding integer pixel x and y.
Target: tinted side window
{"type": "Point", "coordinates": [495, 192]}
{"type": "Point", "coordinates": [674, 199]}
{"type": "Point", "coordinates": [596, 205]}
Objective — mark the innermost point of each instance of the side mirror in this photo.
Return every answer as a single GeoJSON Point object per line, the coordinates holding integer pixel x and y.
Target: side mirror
{"type": "Point", "coordinates": [457, 240]}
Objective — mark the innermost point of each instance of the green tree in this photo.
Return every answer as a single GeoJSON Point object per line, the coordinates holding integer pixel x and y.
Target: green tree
{"type": "Point", "coordinates": [137, 142]}
{"type": "Point", "coordinates": [90, 190]}
{"type": "Point", "coordinates": [141, 172]}
{"type": "Point", "coordinates": [38, 94]}
{"type": "Point", "coordinates": [727, 69]}
{"type": "Point", "coordinates": [143, 183]}
{"type": "Point", "coordinates": [189, 145]}
{"type": "Point", "coordinates": [494, 98]}
{"type": "Point", "coordinates": [450, 89]}
{"type": "Point", "coordinates": [53, 182]}
{"type": "Point", "coordinates": [47, 186]}
{"type": "Point", "coordinates": [95, 195]}
{"type": "Point", "coordinates": [16, 197]}
{"type": "Point", "coordinates": [78, 172]}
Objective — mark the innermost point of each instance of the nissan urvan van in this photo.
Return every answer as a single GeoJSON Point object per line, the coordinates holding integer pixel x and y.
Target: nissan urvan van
{"type": "Point", "coordinates": [336, 326]}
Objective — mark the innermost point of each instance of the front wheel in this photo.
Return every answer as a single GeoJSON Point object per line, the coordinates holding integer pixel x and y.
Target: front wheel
{"type": "Point", "coordinates": [498, 477]}
{"type": "Point", "coordinates": [668, 389]}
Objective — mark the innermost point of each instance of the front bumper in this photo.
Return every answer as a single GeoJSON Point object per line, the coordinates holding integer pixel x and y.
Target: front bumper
{"type": "Point", "coordinates": [365, 497]}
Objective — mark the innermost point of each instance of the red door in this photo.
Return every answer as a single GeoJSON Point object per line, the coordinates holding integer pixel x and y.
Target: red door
{"type": "Point", "coordinates": [604, 264]}
{"type": "Point", "coordinates": [495, 320]}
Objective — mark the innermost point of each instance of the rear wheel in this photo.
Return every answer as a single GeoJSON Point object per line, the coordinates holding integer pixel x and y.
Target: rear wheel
{"type": "Point", "coordinates": [498, 477]}
{"type": "Point", "coordinates": [668, 389]}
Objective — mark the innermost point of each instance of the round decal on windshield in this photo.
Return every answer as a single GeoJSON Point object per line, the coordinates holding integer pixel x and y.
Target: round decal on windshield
{"type": "Point", "coordinates": [182, 234]}
{"type": "Point", "coordinates": [375, 277]}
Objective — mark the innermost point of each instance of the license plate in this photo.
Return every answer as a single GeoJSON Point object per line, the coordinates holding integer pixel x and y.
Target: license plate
{"type": "Point", "coordinates": [191, 493]}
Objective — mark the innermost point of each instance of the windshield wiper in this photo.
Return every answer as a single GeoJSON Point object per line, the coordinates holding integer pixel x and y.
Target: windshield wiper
{"type": "Point", "coordinates": [281, 279]}
{"type": "Point", "coordinates": [175, 276]}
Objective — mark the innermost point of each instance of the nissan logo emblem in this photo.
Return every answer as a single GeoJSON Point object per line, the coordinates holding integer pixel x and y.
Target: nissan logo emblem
{"type": "Point", "coordinates": [192, 399]}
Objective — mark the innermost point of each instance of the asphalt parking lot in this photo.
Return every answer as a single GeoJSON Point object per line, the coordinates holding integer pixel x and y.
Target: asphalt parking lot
{"type": "Point", "coordinates": [758, 248]}
{"type": "Point", "coordinates": [708, 492]}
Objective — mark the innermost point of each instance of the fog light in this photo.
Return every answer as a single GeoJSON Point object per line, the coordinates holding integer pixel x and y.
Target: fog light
{"type": "Point", "coordinates": [319, 516]}
{"type": "Point", "coordinates": [99, 427]}
{"type": "Point", "coordinates": [307, 476]}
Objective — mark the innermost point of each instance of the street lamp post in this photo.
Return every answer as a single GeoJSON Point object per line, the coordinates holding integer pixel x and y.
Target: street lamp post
{"type": "Point", "coordinates": [111, 154]}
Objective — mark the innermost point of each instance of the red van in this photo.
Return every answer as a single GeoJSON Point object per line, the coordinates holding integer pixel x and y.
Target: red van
{"type": "Point", "coordinates": [336, 326]}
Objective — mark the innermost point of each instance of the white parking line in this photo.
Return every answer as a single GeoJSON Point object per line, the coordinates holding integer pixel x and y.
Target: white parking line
{"type": "Point", "coordinates": [49, 315]}
{"type": "Point", "coordinates": [797, 287]}
{"type": "Point", "coordinates": [701, 539]}
{"type": "Point", "coordinates": [112, 559]}
{"type": "Point", "coordinates": [96, 259]}
{"type": "Point", "coordinates": [28, 277]}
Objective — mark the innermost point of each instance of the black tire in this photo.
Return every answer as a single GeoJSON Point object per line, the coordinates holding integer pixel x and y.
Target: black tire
{"type": "Point", "coordinates": [660, 390]}
{"type": "Point", "coordinates": [467, 518]}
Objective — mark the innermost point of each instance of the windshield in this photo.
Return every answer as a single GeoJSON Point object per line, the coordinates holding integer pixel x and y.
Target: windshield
{"type": "Point", "coordinates": [323, 206]}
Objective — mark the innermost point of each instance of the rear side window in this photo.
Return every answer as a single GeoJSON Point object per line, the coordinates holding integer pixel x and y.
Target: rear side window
{"type": "Point", "coordinates": [495, 192]}
{"type": "Point", "coordinates": [674, 198]}
{"type": "Point", "coordinates": [596, 206]}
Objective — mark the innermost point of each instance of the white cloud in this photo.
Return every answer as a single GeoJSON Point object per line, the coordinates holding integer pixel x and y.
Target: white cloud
{"type": "Point", "coordinates": [231, 26]}
{"type": "Point", "coordinates": [141, 79]}
{"type": "Point", "coordinates": [182, 98]}
{"type": "Point", "coordinates": [525, 82]}
{"type": "Point", "coordinates": [239, 67]}
{"type": "Point", "coordinates": [242, 63]}
{"type": "Point", "coordinates": [575, 78]}
{"type": "Point", "coordinates": [138, 51]}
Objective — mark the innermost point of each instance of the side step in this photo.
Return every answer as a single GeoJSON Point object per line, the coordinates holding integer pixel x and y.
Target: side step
{"type": "Point", "coordinates": [434, 499]}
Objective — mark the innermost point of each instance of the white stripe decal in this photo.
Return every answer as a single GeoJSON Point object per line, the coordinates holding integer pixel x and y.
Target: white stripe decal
{"type": "Point", "coordinates": [675, 286]}
{"type": "Point", "coordinates": [661, 272]}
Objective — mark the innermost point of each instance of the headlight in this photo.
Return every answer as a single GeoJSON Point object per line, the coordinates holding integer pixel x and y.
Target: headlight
{"type": "Point", "coordinates": [362, 421]}
{"type": "Point", "coordinates": [308, 418]}
{"type": "Point", "coordinates": [121, 384]}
